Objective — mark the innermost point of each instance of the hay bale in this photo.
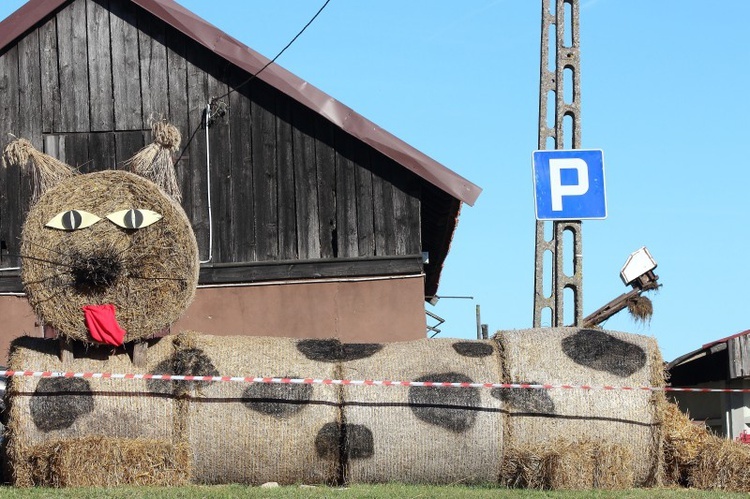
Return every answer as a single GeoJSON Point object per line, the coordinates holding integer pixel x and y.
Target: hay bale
{"type": "Point", "coordinates": [421, 434]}
{"type": "Point", "coordinates": [149, 274]}
{"type": "Point", "coordinates": [625, 420]}
{"type": "Point", "coordinates": [109, 462]}
{"type": "Point", "coordinates": [526, 468]}
{"type": "Point", "coordinates": [684, 440]}
{"type": "Point", "coordinates": [257, 433]}
{"type": "Point", "coordinates": [721, 465]}
{"type": "Point", "coordinates": [562, 464]}
{"type": "Point", "coordinates": [42, 411]}
{"type": "Point", "coordinates": [695, 457]}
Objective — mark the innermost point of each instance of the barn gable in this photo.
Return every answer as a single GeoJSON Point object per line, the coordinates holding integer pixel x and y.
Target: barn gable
{"type": "Point", "coordinates": [284, 182]}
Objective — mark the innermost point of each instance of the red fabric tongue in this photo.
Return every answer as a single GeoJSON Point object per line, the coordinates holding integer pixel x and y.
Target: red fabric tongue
{"type": "Point", "coordinates": [103, 327]}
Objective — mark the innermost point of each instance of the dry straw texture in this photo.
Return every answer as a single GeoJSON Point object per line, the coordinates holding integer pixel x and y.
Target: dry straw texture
{"type": "Point", "coordinates": [618, 419]}
{"type": "Point", "coordinates": [423, 434]}
{"type": "Point", "coordinates": [256, 433]}
{"type": "Point", "coordinates": [697, 458]}
{"type": "Point", "coordinates": [45, 171]}
{"type": "Point", "coordinates": [149, 274]}
{"type": "Point", "coordinates": [641, 308]}
{"type": "Point", "coordinates": [155, 161]}
{"type": "Point", "coordinates": [109, 462]}
{"type": "Point", "coordinates": [562, 464]}
{"type": "Point", "coordinates": [46, 410]}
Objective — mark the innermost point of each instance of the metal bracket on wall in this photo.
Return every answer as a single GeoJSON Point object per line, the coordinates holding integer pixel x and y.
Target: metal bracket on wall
{"type": "Point", "coordinates": [560, 21]}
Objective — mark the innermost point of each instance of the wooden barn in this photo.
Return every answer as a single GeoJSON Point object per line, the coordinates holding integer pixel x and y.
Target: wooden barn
{"type": "Point", "coordinates": [311, 220]}
{"type": "Point", "coordinates": [721, 364]}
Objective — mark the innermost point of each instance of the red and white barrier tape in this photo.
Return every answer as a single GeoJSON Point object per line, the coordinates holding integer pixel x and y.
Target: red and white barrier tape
{"type": "Point", "coordinates": [366, 382]}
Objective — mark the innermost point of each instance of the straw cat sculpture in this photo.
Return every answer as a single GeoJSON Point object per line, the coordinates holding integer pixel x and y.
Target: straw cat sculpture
{"type": "Point", "coordinates": [108, 258]}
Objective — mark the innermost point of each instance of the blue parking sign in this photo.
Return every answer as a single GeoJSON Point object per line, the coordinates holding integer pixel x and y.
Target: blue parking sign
{"type": "Point", "coordinates": [569, 184]}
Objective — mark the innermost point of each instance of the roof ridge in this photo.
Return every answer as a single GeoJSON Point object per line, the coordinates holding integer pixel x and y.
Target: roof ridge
{"type": "Point", "coordinates": [242, 56]}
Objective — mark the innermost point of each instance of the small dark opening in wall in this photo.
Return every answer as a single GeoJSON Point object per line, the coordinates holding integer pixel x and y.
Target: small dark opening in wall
{"type": "Point", "coordinates": [334, 240]}
{"type": "Point", "coordinates": [3, 246]}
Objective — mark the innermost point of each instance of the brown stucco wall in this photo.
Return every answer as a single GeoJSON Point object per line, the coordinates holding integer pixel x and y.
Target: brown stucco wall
{"type": "Point", "coordinates": [357, 310]}
{"type": "Point", "coordinates": [352, 311]}
{"type": "Point", "coordinates": [16, 319]}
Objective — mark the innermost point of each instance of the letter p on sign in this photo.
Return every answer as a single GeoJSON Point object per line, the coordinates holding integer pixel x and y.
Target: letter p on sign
{"type": "Point", "coordinates": [569, 184]}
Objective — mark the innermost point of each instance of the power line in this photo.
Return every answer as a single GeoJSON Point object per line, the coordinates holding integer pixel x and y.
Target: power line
{"type": "Point", "coordinates": [252, 77]}
{"type": "Point", "coordinates": [277, 55]}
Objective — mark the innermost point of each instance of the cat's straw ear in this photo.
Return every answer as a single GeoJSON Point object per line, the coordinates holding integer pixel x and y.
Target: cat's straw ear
{"type": "Point", "coordinates": [155, 161]}
{"type": "Point", "coordinates": [45, 171]}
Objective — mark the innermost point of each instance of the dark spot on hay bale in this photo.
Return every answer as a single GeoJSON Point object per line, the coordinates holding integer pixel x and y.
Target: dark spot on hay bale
{"type": "Point", "coordinates": [327, 441]}
{"type": "Point", "coordinates": [348, 441]}
{"type": "Point", "coordinates": [334, 351]}
{"type": "Point", "coordinates": [187, 362]}
{"type": "Point", "coordinates": [359, 441]}
{"type": "Point", "coordinates": [58, 402]}
{"type": "Point", "coordinates": [526, 400]}
{"type": "Point", "coordinates": [472, 349]}
{"type": "Point", "coordinates": [603, 352]}
{"type": "Point", "coordinates": [278, 400]}
{"type": "Point", "coordinates": [450, 408]}
{"type": "Point", "coordinates": [157, 385]}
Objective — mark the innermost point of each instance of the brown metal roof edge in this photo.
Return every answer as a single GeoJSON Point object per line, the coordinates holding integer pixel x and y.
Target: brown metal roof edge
{"type": "Point", "coordinates": [336, 112]}
{"type": "Point", "coordinates": [245, 58]}
{"type": "Point", "coordinates": [708, 346]}
{"type": "Point", "coordinates": [451, 231]}
{"type": "Point", "coordinates": [25, 18]}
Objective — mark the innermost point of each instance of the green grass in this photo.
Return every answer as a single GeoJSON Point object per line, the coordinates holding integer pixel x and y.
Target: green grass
{"type": "Point", "coordinates": [355, 491]}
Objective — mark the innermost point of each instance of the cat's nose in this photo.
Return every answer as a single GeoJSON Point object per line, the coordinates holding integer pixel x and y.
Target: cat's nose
{"type": "Point", "coordinates": [95, 273]}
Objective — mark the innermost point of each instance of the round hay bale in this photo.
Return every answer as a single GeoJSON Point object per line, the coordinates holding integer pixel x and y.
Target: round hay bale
{"type": "Point", "coordinates": [255, 433]}
{"type": "Point", "coordinates": [628, 420]}
{"type": "Point", "coordinates": [422, 434]}
{"type": "Point", "coordinates": [45, 410]}
{"type": "Point", "coordinates": [149, 274]}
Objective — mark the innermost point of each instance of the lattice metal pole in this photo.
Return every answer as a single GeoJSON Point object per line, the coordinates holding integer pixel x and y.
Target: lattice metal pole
{"type": "Point", "coordinates": [564, 20]}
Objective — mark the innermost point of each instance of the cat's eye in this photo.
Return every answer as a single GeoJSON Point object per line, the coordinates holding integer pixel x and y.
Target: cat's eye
{"type": "Point", "coordinates": [134, 219]}
{"type": "Point", "coordinates": [72, 220]}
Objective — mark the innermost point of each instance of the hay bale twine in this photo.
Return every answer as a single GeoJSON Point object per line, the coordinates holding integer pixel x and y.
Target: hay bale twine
{"type": "Point", "coordinates": [149, 274]}
{"type": "Point", "coordinates": [43, 412]}
{"type": "Point", "coordinates": [418, 434]}
{"type": "Point", "coordinates": [256, 433]}
{"type": "Point", "coordinates": [585, 422]}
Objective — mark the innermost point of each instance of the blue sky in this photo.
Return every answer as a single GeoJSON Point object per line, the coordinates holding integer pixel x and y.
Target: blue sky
{"type": "Point", "coordinates": [663, 94]}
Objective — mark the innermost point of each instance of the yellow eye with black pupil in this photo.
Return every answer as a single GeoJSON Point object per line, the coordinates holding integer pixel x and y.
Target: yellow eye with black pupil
{"type": "Point", "coordinates": [72, 220]}
{"type": "Point", "coordinates": [134, 219]}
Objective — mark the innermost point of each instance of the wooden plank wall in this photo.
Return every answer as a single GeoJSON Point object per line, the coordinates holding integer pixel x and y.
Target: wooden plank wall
{"type": "Point", "coordinates": [739, 356]}
{"type": "Point", "coordinates": [285, 183]}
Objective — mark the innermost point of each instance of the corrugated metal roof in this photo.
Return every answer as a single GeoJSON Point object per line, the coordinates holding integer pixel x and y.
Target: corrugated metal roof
{"type": "Point", "coordinates": [247, 59]}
